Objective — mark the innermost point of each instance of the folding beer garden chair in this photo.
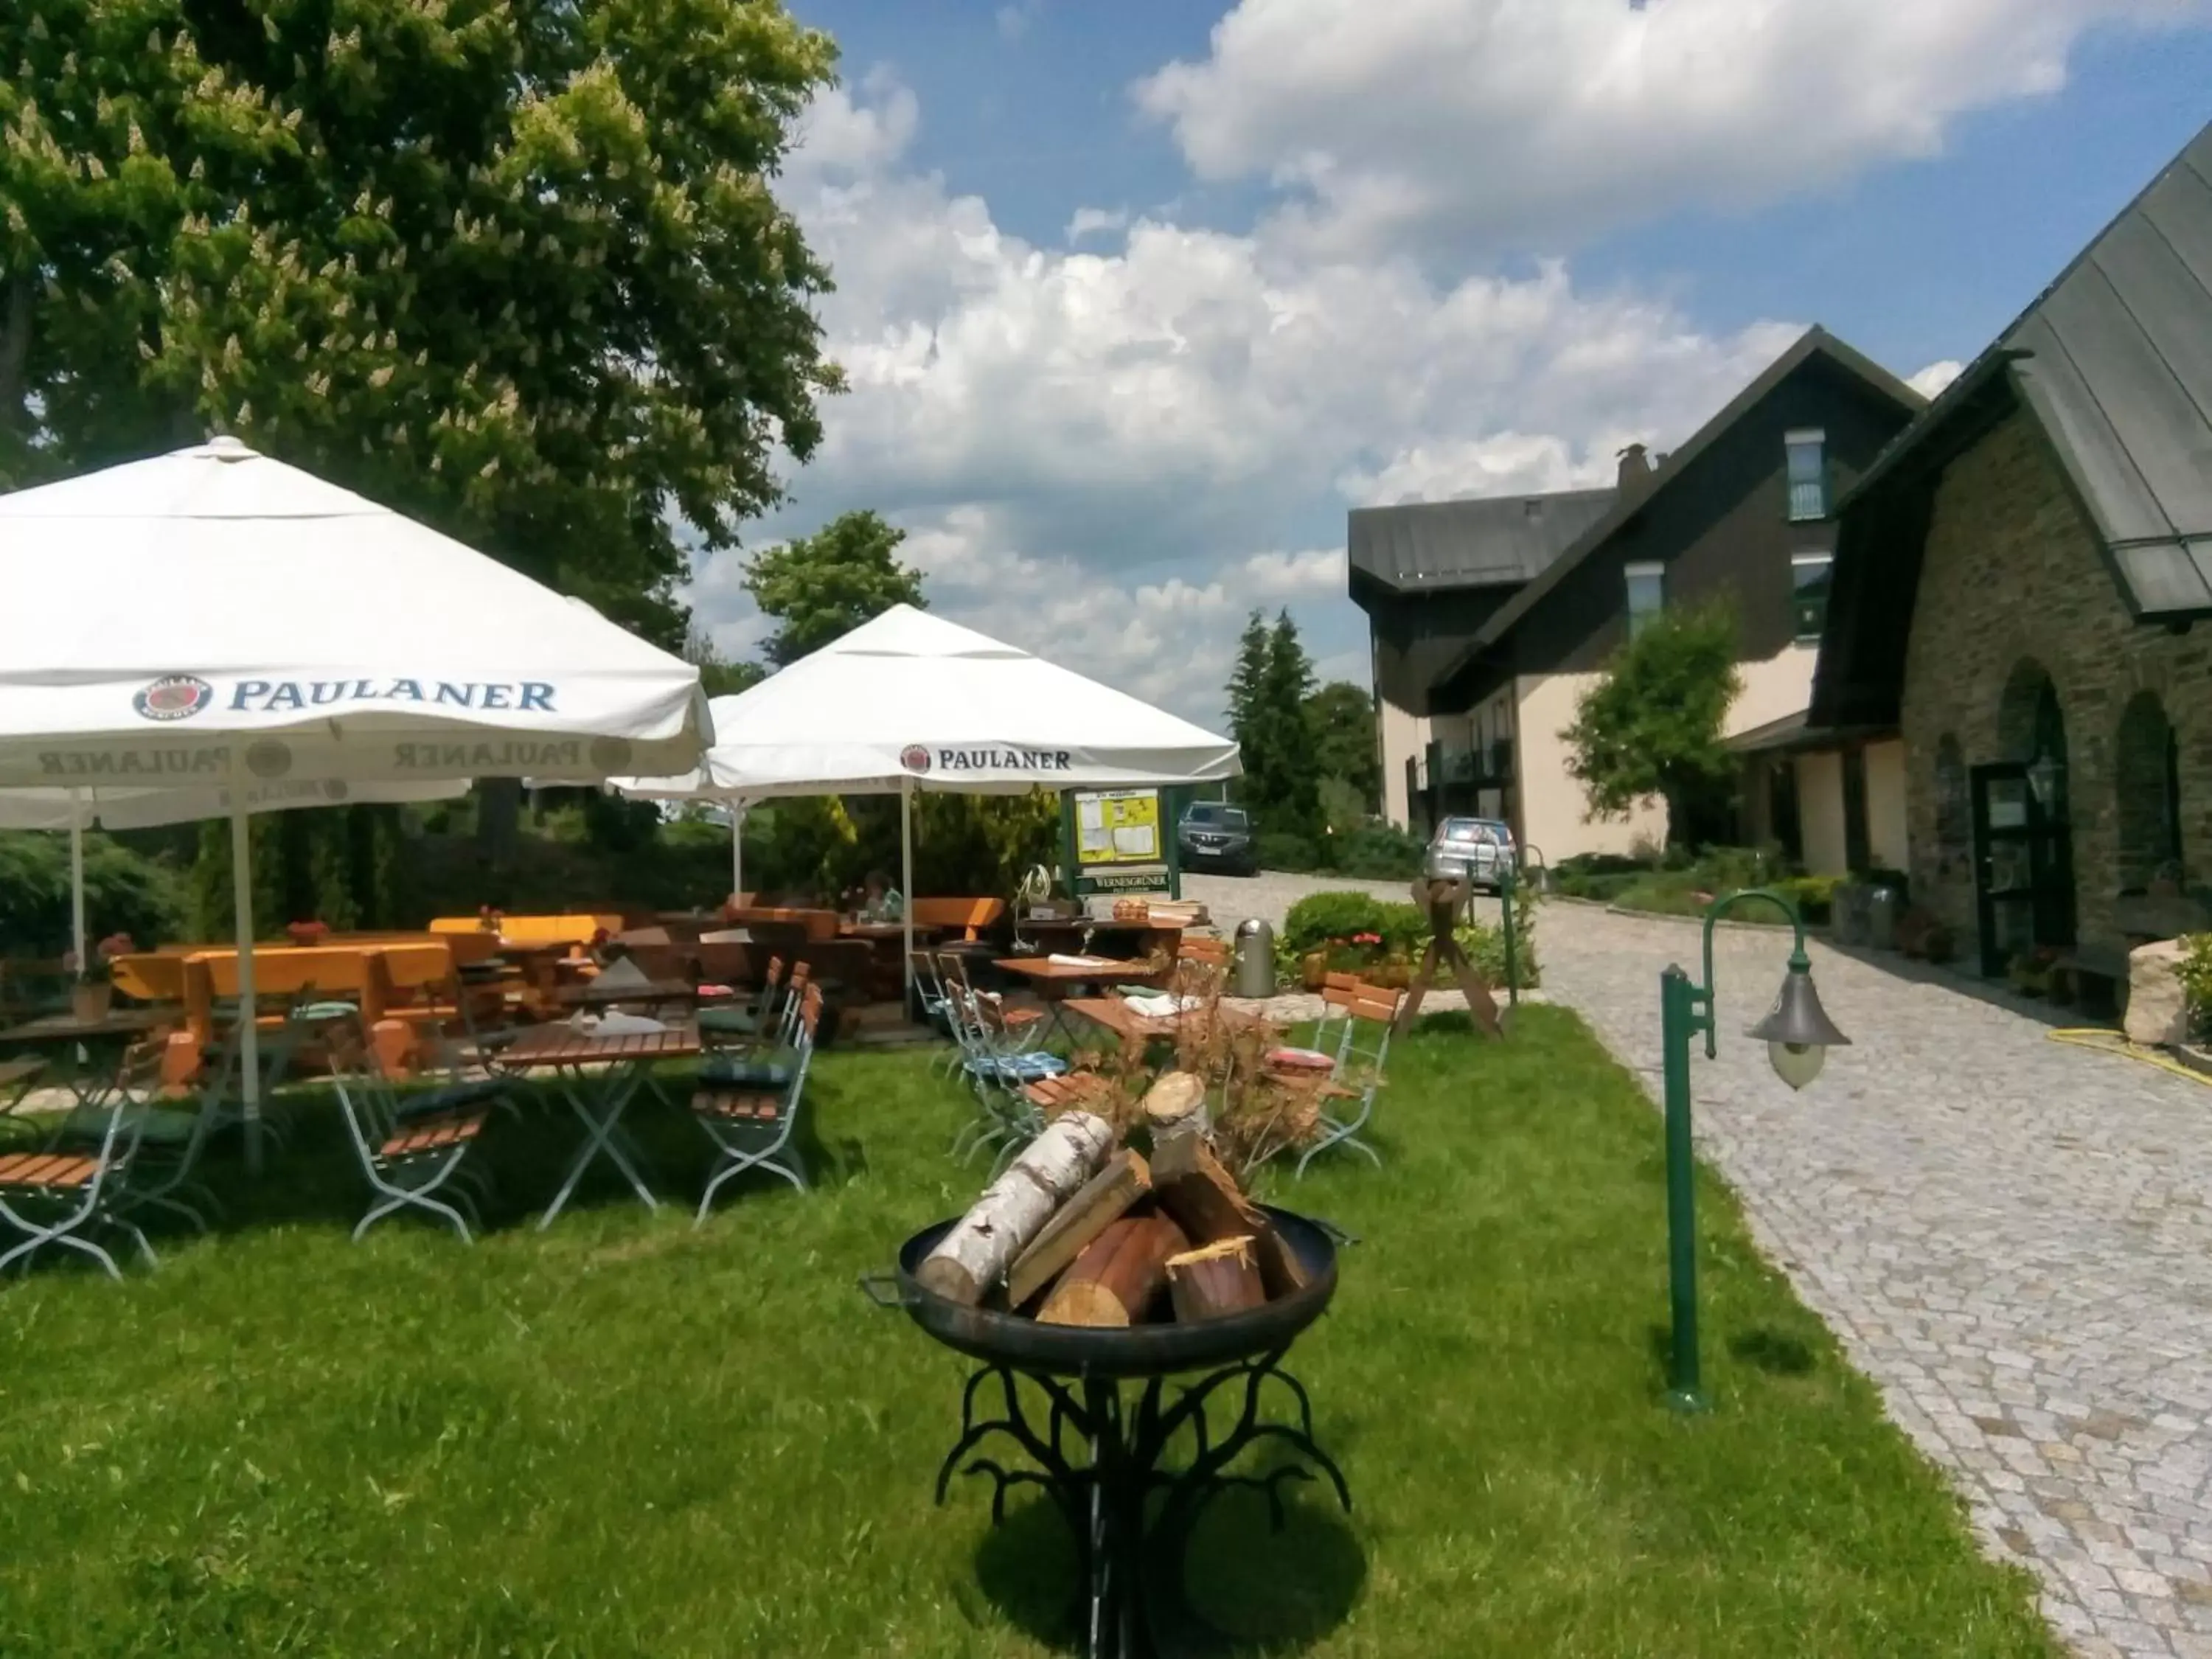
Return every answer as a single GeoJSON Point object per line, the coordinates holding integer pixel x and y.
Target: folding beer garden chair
{"type": "Point", "coordinates": [739, 1028]}
{"type": "Point", "coordinates": [1370, 1012]}
{"type": "Point", "coordinates": [750, 1108]}
{"type": "Point", "coordinates": [413, 1151]}
{"type": "Point", "coordinates": [1326, 1054]}
{"type": "Point", "coordinates": [60, 1197]}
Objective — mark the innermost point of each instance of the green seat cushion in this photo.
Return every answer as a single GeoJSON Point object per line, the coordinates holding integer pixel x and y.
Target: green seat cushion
{"type": "Point", "coordinates": [772, 1071]}
{"type": "Point", "coordinates": [730, 1022]}
{"type": "Point", "coordinates": [165, 1127]}
{"type": "Point", "coordinates": [322, 1011]}
{"type": "Point", "coordinates": [452, 1098]}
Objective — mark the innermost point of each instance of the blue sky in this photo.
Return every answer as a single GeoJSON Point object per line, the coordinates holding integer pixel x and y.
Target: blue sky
{"type": "Point", "coordinates": [1338, 252]}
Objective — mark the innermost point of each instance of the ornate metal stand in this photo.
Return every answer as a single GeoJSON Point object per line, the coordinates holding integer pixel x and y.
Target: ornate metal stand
{"type": "Point", "coordinates": [1131, 1514]}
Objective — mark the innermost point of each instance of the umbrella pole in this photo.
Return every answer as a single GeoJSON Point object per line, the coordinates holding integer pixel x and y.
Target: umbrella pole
{"type": "Point", "coordinates": [737, 850]}
{"type": "Point", "coordinates": [249, 1034]}
{"type": "Point", "coordinates": [906, 890]}
{"type": "Point", "coordinates": [76, 884]}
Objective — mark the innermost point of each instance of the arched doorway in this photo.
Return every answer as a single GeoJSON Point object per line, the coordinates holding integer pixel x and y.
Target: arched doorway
{"type": "Point", "coordinates": [2023, 844]}
{"type": "Point", "coordinates": [2147, 793]}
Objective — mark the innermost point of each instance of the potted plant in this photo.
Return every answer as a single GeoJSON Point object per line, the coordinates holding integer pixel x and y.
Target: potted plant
{"type": "Point", "coordinates": [307, 933]}
{"type": "Point", "coordinates": [488, 920]}
{"type": "Point", "coordinates": [94, 993]}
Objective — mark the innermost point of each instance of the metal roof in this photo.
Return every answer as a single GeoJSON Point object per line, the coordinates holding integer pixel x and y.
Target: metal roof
{"type": "Point", "coordinates": [2114, 360]}
{"type": "Point", "coordinates": [1486, 542]}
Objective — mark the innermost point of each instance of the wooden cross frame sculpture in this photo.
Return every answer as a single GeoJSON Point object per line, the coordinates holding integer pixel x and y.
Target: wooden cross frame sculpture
{"type": "Point", "coordinates": [1446, 902]}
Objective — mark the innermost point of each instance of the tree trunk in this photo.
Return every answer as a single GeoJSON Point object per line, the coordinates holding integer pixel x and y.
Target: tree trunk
{"type": "Point", "coordinates": [1177, 1098]}
{"type": "Point", "coordinates": [15, 352]}
{"type": "Point", "coordinates": [1218, 1278]}
{"type": "Point", "coordinates": [499, 819]}
{"type": "Point", "coordinates": [1113, 1282]}
{"type": "Point", "coordinates": [1101, 1203]}
{"type": "Point", "coordinates": [974, 1256]}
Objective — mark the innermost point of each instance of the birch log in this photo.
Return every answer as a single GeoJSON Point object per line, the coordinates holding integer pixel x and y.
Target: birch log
{"type": "Point", "coordinates": [1052, 1168]}
{"type": "Point", "coordinates": [1100, 1203]}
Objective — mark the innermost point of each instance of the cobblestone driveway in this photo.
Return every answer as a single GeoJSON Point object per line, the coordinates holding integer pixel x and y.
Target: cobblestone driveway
{"type": "Point", "coordinates": [2012, 1236]}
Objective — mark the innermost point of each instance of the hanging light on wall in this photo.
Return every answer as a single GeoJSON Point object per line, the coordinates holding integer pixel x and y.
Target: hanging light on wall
{"type": "Point", "coordinates": [2045, 774]}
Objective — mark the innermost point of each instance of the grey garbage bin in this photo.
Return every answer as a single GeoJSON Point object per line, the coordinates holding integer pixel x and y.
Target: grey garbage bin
{"type": "Point", "coordinates": [1255, 958]}
{"type": "Point", "coordinates": [1881, 918]}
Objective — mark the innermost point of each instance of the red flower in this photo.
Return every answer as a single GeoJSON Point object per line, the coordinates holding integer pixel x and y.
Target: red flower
{"type": "Point", "coordinates": [114, 945]}
{"type": "Point", "coordinates": [1367, 938]}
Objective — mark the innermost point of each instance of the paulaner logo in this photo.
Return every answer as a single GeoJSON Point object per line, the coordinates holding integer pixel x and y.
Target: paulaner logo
{"type": "Point", "coordinates": [172, 697]}
{"type": "Point", "coordinates": [915, 757]}
{"type": "Point", "coordinates": [1000, 760]}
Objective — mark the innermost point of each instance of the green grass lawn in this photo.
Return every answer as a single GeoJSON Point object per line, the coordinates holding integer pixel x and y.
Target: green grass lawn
{"type": "Point", "coordinates": [626, 1437]}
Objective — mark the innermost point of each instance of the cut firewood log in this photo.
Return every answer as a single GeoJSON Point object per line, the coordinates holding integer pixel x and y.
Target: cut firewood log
{"type": "Point", "coordinates": [1176, 1098]}
{"type": "Point", "coordinates": [1052, 1168]}
{"type": "Point", "coordinates": [1218, 1278]}
{"type": "Point", "coordinates": [1102, 1201]}
{"type": "Point", "coordinates": [1190, 1184]}
{"type": "Point", "coordinates": [1115, 1280]}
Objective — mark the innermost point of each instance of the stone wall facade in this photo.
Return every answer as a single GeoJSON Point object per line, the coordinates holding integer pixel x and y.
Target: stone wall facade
{"type": "Point", "coordinates": [2013, 579]}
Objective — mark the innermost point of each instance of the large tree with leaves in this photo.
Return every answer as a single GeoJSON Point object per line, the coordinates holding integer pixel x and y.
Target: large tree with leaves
{"type": "Point", "coordinates": [1342, 717]}
{"type": "Point", "coordinates": [820, 587]}
{"type": "Point", "coordinates": [1652, 726]}
{"type": "Point", "coordinates": [513, 267]}
{"type": "Point", "coordinates": [1268, 688]}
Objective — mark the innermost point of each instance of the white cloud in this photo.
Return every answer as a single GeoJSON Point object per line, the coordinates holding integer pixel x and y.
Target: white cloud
{"type": "Point", "coordinates": [1532, 123]}
{"type": "Point", "coordinates": [1111, 455]}
{"type": "Point", "coordinates": [1092, 221]}
{"type": "Point", "coordinates": [1014, 20]}
{"type": "Point", "coordinates": [1933, 377]}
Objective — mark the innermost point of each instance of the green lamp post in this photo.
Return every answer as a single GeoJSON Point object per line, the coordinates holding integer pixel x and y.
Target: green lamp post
{"type": "Point", "coordinates": [1508, 883]}
{"type": "Point", "coordinates": [1798, 1034]}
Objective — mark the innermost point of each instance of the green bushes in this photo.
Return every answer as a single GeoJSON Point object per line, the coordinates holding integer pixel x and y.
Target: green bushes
{"type": "Point", "coordinates": [1319, 918]}
{"type": "Point", "coordinates": [1278, 849]}
{"type": "Point", "coordinates": [1362, 935]}
{"type": "Point", "coordinates": [125, 892]}
{"type": "Point", "coordinates": [1373, 852]}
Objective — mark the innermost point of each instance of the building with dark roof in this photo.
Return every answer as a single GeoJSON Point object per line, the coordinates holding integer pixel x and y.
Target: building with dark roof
{"type": "Point", "coordinates": [1491, 618]}
{"type": "Point", "coordinates": [2017, 585]}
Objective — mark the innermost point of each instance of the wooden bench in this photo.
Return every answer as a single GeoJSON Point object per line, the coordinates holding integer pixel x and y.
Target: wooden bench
{"type": "Point", "coordinates": [969, 918]}
{"type": "Point", "coordinates": [2103, 967]}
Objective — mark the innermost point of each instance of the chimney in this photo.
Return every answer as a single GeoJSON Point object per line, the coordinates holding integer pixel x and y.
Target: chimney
{"type": "Point", "coordinates": [1635, 472]}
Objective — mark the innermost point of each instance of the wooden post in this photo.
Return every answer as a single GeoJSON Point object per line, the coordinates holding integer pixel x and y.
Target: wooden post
{"type": "Point", "coordinates": [1446, 902]}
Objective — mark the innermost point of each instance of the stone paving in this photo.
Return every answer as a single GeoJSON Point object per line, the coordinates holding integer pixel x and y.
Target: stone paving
{"type": "Point", "coordinates": [2012, 1236]}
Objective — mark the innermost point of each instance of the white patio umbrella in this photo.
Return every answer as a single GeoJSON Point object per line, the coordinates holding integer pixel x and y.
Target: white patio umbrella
{"type": "Point", "coordinates": [213, 616]}
{"type": "Point", "coordinates": [910, 702]}
{"type": "Point", "coordinates": [79, 809]}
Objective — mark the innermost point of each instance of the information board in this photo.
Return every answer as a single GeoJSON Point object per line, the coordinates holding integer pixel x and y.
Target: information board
{"type": "Point", "coordinates": [1117, 841]}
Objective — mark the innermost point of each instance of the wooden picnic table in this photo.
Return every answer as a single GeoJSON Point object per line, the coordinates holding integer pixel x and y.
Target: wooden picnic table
{"type": "Point", "coordinates": [1136, 1030]}
{"type": "Point", "coordinates": [599, 1076]}
{"type": "Point", "coordinates": [652, 993]}
{"type": "Point", "coordinates": [1056, 981]}
{"type": "Point", "coordinates": [66, 1027]}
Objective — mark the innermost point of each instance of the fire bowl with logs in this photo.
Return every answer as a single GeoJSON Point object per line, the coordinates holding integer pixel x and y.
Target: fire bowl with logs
{"type": "Point", "coordinates": [1113, 1301]}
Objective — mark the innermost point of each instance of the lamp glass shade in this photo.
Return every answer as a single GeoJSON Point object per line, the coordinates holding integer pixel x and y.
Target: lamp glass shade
{"type": "Point", "coordinates": [1796, 1016]}
{"type": "Point", "coordinates": [2043, 777]}
{"type": "Point", "coordinates": [1796, 1063]}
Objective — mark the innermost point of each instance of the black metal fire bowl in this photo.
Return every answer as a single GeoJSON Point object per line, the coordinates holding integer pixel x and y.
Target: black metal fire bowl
{"type": "Point", "coordinates": [1130, 1478]}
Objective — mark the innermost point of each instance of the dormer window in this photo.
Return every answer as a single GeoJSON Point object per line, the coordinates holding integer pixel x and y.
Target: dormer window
{"type": "Point", "coordinates": [1808, 453]}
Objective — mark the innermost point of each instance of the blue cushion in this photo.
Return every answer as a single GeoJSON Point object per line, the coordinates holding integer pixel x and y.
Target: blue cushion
{"type": "Point", "coordinates": [772, 1071]}
{"type": "Point", "coordinates": [1018, 1068]}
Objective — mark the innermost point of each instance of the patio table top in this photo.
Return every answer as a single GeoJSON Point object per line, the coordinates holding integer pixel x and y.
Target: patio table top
{"type": "Point", "coordinates": [560, 1044]}
{"type": "Point", "coordinates": [68, 1028]}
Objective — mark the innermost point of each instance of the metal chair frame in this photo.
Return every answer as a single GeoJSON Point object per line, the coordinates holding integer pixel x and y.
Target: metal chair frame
{"type": "Point", "coordinates": [1367, 1005]}
{"type": "Point", "coordinates": [409, 1161]}
{"type": "Point", "coordinates": [56, 1179]}
{"type": "Point", "coordinates": [748, 1143]}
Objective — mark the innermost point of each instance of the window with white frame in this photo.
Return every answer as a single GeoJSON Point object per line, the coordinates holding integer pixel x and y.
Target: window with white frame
{"type": "Point", "coordinates": [1807, 450]}
{"type": "Point", "coordinates": [1808, 592]}
{"type": "Point", "coordinates": [1647, 595]}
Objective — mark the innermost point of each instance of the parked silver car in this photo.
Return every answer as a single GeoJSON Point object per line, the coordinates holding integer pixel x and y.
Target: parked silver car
{"type": "Point", "coordinates": [1480, 848]}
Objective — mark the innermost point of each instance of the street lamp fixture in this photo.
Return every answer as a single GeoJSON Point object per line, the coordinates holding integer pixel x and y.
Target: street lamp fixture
{"type": "Point", "coordinates": [1798, 1034]}
{"type": "Point", "coordinates": [2046, 773]}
